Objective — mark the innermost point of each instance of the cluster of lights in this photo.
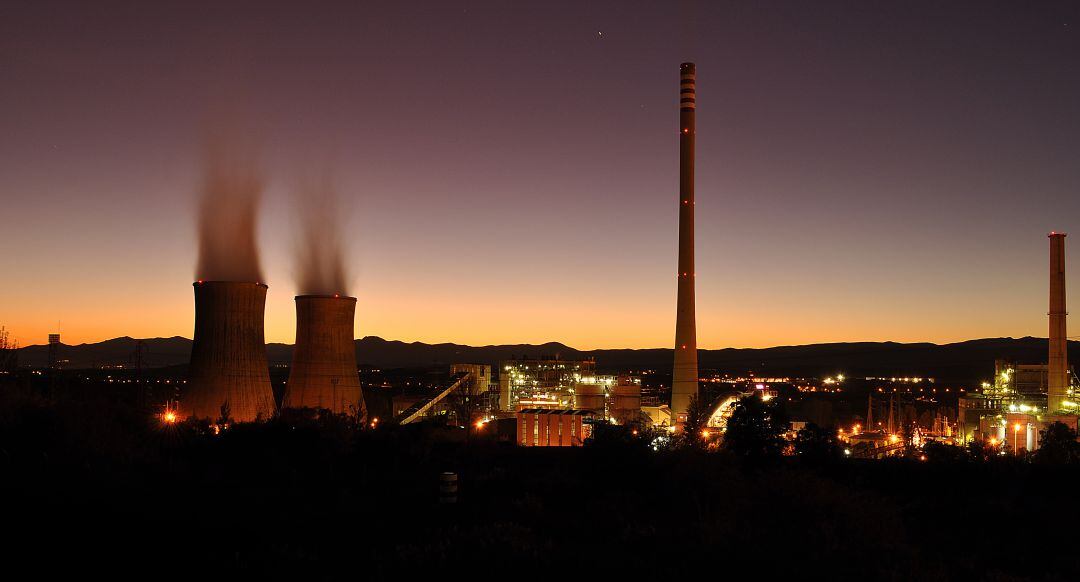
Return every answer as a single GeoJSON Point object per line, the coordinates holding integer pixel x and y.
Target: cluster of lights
{"type": "Point", "coordinates": [822, 390]}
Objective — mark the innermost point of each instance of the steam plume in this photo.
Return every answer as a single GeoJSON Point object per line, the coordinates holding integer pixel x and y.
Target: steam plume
{"type": "Point", "coordinates": [228, 212]}
{"type": "Point", "coordinates": [320, 258]}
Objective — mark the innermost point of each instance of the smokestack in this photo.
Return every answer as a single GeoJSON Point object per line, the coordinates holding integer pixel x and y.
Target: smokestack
{"type": "Point", "coordinates": [684, 383]}
{"type": "Point", "coordinates": [228, 358]}
{"type": "Point", "coordinates": [323, 373]}
{"type": "Point", "coordinates": [1058, 368]}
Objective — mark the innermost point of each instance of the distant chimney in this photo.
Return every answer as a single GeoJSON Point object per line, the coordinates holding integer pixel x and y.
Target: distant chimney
{"type": "Point", "coordinates": [1058, 367]}
{"type": "Point", "coordinates": [228, 357]}
{"type": "Point", "coordinates": [323, 373]}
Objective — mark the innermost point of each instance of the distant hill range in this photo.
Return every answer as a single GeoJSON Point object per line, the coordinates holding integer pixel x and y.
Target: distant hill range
{"type": "Point", "coordinates": [967, 361]}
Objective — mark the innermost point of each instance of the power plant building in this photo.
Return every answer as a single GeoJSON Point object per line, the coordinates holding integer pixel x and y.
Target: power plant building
{"type": "Point", "coordinates": [542, 383]}
{"type": "Point", "coordinates": [542, 427]}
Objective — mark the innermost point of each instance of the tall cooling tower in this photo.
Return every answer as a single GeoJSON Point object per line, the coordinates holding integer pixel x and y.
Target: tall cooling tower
{"type": "Point", "coordinates": [323, 371]}
{"type": "Point", "coordinates": [228, 358]}
{"type": "Point", "coordinates": [1058, 366]}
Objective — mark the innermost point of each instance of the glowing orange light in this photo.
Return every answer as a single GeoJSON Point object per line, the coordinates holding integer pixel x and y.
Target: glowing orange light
{"type": "Point", "coordinates": [705, 434]}
{"type": "Point", "coordinates": [169, 417]}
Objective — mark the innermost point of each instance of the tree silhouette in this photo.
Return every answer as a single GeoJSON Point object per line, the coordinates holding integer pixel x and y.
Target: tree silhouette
{"type": "Point", "coordinates": [697, 420]}
{"type": "Point", "coordinates": [756, 428]}
{"type": "Point", "coordinates": [1058, 445]}
{"type": "Point", "coordinates": [938, 452]}
{"type": "Point", "coordinates": [225, 412]}
{"type": "Point", "coordinates": [981, 450]}
{"type": "Point", "coordinates": [817, 444]}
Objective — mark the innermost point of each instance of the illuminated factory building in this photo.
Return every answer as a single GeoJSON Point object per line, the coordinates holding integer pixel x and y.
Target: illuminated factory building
{"type": "Point", "coordinates": [541, 383]}
{"type": "Point", "coordinates": [554, 384]}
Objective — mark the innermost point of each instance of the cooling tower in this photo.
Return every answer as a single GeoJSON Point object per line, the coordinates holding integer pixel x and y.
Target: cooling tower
{"type": "Point", "coordinates": [1058, 366]}
{"type": "Point", "coordinates": [684, 383]}
{"type": "Point", "coordinates": [228, 357]}
{"type": "Point", "coordinates": [323, 371]}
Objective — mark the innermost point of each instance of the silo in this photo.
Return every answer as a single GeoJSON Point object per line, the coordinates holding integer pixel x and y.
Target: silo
{"type": "Point", "coordinates": [627, 401]}
{"type": "Point", "coordinates": [323, 373]}
{"type": "Point", "coordinates": [228, 357]}
{"type": "Point", "coordinates": [589, 397]}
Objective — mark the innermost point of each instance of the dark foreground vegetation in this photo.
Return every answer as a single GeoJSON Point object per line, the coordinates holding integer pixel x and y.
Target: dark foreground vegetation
{"type": "Point", "coordinates": [103, 491]}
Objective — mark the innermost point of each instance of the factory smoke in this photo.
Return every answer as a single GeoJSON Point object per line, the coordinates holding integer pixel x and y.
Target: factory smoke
{"type": "Point", "coordinates": [320, 259]}
{"type": "Point", "coordinates": [228, 212]}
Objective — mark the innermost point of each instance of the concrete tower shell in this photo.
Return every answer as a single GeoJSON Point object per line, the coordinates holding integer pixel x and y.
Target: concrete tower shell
{"type": "Point", "coordinates": [323, 373]}
{"type": "Point", "coordinates": [228, 356]}
{"type": "Point", "coordinates": [1058, 365]}
{"type": "Point", "coordinates": [684, 383]}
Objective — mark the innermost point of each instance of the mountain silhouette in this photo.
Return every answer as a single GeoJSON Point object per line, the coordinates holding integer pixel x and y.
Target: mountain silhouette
{"type": "Point", "coordinates": [967, 361]}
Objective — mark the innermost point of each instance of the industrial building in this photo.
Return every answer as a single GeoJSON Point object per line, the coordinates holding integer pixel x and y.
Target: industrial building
{"type": "Point", "coordinates": [542, 383]}
{"type": "Point", "coordinates": [556, 384]}
{"type": "Point", "coordinates": [543, 427]}
{"type": "Point", "coordinates": [479, 385]}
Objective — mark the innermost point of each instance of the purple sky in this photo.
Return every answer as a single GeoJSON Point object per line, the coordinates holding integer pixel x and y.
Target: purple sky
{"type": "Point", "coordinates": [866, 170]}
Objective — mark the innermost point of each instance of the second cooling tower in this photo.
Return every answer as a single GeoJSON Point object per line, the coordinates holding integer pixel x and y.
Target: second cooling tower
{"type": "Point", "coordinates": [323, 373]}
{"type": "Point", "coordinates": [228, 371]}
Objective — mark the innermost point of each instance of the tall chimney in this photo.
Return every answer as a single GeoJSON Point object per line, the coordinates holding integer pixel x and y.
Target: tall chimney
{"type": "Point", "coordinates": [684, 383]}
{"type": "Point", "coordinates": [1058, 368]}
{"type": "Point", "coordinates": [323, 373]}
{"type": "Point", "coordinates": [228, 357]}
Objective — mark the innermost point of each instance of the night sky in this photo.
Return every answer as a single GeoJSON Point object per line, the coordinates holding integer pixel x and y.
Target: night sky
{"type": "Point", "coordinates": [866, 170]}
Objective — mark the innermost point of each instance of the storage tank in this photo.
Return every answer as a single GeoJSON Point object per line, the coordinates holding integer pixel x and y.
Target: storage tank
{"type": "Point", "coordinates": [228, 357]}
{"type": "Point", "coordinates": [627, 401]}
{"type": "Point", "coordinates": [323, 373]}
{"type": "Point", "coordinates": [589, 397]}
